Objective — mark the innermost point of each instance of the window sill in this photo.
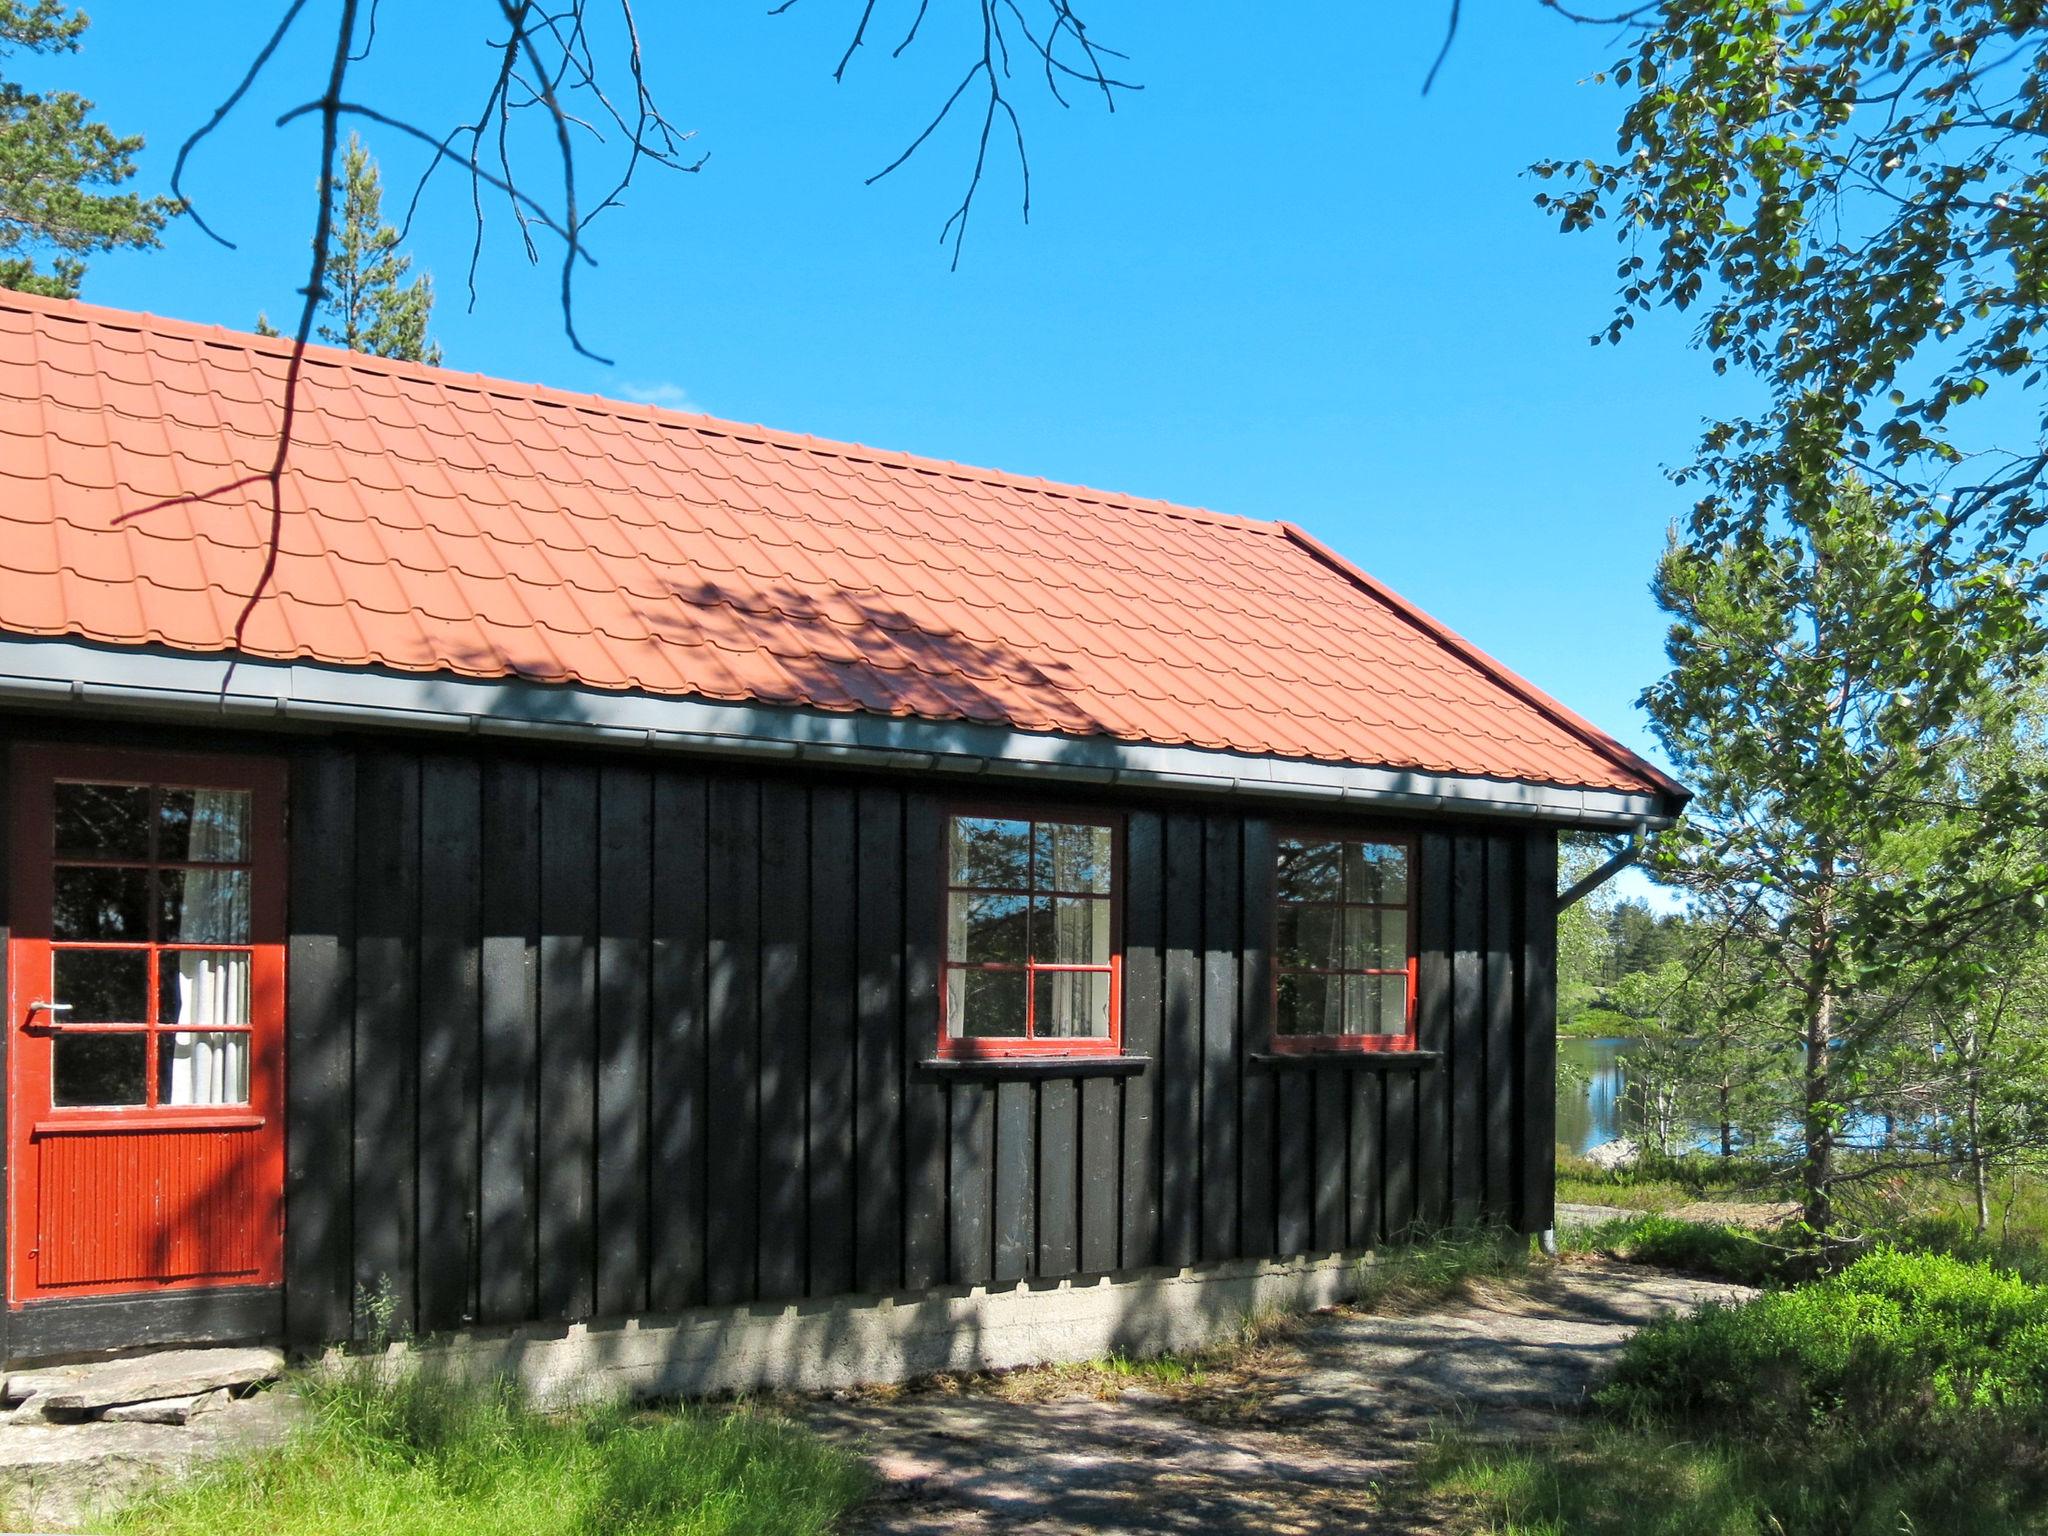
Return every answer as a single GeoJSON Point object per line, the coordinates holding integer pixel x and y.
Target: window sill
{"type": "Point", "coordinates": [144, 1120]}
{"type": "Point", "coordinates": [1011, 1068]}
{"type": "Point", "coordinates": [1348, 1061]}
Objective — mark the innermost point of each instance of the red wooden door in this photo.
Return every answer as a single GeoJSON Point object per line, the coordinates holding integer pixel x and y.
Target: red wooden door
{"type": "Point", "coordinates": [145, 982]}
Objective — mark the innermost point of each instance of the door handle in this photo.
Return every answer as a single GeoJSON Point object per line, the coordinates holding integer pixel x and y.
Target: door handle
{"type": "Point", "coordinates": [41, 1015]}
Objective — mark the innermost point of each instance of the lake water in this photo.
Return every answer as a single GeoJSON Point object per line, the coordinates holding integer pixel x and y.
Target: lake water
{"type": "Point", "coordinates": [1593, 1105]}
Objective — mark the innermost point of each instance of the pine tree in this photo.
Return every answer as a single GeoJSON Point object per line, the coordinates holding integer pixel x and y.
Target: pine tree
{"type": "Point", "coordinates": [369, 306]}
{"type": "Point", "coordinates": [51, 157]}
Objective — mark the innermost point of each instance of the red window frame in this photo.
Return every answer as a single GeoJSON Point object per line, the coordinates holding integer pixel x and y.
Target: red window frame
{"type": "Point", "coordinates": [1310, 1044]}
{"type": "Point", "coordinates": [1027, 1045]}
{"type": "Point", "coordinates": [33, 876]}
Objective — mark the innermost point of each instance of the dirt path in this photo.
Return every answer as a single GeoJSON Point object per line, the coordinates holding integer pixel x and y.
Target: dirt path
{"type": "Point", "coordinates": [1302, 1436]}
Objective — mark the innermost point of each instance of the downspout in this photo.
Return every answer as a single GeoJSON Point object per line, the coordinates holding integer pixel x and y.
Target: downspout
{"type": "Point", "coordinates": [1638, 839]}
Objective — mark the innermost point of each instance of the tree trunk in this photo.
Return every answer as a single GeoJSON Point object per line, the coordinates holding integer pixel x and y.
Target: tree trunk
{"type": "Point", "coordinates": [1820, 1118]}
{"type": "Point", "coordinates": [1972, 1086]}
{"type": "Point", "coordinates": [1727, 1131]}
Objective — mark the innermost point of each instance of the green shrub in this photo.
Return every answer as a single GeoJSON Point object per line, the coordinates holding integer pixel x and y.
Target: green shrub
{"type": "Point", "coordinates": [1693, 1247]}
{"type": "Point", "coordinates": [1910, 1377]}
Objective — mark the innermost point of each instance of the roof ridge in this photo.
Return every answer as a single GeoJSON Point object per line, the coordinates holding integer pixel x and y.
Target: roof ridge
{"type": "Point", "coordinates": [1497, 672]}
{"type": "Point", "coordinates": [256, 344]}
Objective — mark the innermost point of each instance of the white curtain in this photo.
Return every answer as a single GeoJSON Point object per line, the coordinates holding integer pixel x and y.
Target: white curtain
{"type": "Point", "coordinates": [209, 1066]}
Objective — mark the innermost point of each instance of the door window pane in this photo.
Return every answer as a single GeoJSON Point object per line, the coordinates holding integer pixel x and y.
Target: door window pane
{"type": "Point", "coordinates": [202, 1067]}
{"type": "Point", "coordinates": [203, 906]}
{"type": "Point", "coordinates": [96, 1070]}
{"type": "Point", "coordinates": [198, 986]}
{"type": "Point", "coordinates": [102, 905]}
{"type": "Point", "coordinates": [102, 821]}
{"type": "Point", "coordinates": [204, 826]}
{"type": "Point", "coordinates": [103, 986]}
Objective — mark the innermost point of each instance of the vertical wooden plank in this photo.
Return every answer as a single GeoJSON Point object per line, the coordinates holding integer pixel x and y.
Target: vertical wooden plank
{"type": "Point", "coordinates": [1181, 1061]}
{"type": "Point", "coordinates": [1257, 1237]}
{"type": "Point", "coordinates": [1058, 1198]}
{"type": "Point", "coordinates": [677, 915]}
{"type": "Point", "coordinates": [1222, 934]}
{"type": "Point", "coordinates": [387, 1039]}
{"type": "Point", "coordinates": [1468, 1026]}
{"type": "Point", "coordinates": [1332, 1157]}
{"type": "Point", "coordinates": [1400, 1162]}
{"type": "Point", "coordinates": [785, 1037]}
{"type": "Point", "coordinates": [1503, 931]}
{"type": "Point", "coordinates": [1538, 1033]}
{"type": "Point", "coordinates": [732, 1009]}
{"type": "Point", "coordinates": [1425, 1168]}
{"type": "Point", "coordinates": [1101, 1157]}
{"type": "Point", "coordinates": [829, 1157]}
{"type": "Point", "coordinates": [568, 1041]}
{"type": "Point", "coordinates": [451, 826]}
{"type": "Point", "coordinates": [508, 1051]}
{"type": "Point", "coordinates": [878, 1047]}
{"type": "Point", "coordinates": [924, 1098]}
{"type": "Point", "coordinates": [1294, 1156]}
{"type": "Point", "coordinates": [1144, 949]}
{"type": "Point", "coordinates": [970, 1183]}
{"type": "Point", "coordinates": [1016, 1234]}
{"type": "Point", "coordinates": [319, 1271]}
{"type": "Point", "coordinates": [1362, 1224]}
{"type": "Point", "coordinates": [625, 852]}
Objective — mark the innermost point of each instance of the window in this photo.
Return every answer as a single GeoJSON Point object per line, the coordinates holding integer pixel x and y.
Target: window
{"type": "Point", "coordinates": [150, 946]}
{"type": "Point", "coordinates": [1343, 952]}
{"type": "Point", "coordinates": [1031, 937]}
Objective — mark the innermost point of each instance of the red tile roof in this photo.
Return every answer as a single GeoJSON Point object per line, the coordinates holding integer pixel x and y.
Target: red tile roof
{"type": "Point", "coordinates": [440, 521]}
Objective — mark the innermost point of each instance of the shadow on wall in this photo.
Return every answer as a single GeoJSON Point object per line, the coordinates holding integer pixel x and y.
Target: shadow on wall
{"type": "Point", "coordinates": [847, 1341]}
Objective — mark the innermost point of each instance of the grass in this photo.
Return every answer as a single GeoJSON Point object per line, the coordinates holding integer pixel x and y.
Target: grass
{"type": "Point", "coordinates": [420, 1456]}
{"type": "Point", "coordinates": [1691, 1247]}
{"type": "Point", "coordinates": [1904, 1393]}
{"type": "Point", "coordinates": [1658, 1183]}
{"type": "Point", "coordinates": [1608, 1480]}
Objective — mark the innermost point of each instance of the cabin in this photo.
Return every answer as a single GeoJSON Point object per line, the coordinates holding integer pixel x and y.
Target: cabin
{"type": "Point", "coordinates": [695, 906]}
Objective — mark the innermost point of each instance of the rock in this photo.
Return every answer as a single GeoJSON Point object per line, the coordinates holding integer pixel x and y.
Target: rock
{"type": "Point", "coordinates": [29, 1410]}
{"type": "Point", "coordinates": [1620, 1153]}
{"type": "Point", "coordinates": [161, 1410]}
{"type": "Point", "coordinates": [77, 1390]}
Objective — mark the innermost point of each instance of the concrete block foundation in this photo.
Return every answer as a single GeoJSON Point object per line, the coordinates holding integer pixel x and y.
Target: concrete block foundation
{"type": "Point", "coordinates": [853, 1340]}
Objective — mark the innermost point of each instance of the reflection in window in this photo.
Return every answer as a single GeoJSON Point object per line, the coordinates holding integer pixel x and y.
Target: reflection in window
{"type": "Point", "coordinates": [1341, 942]}
{"type": "Point", "coordinates": [1028, 945]}
{"type": "Point", "coordinates": [144, 876]}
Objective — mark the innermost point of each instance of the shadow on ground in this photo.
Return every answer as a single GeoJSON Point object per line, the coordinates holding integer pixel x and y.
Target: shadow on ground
{"type": "Point", "coordinates": [1306, 1437]}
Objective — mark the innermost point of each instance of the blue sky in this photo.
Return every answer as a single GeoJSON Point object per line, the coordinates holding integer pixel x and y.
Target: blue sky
{"type": "Point", "coordinates": [1277, 282]}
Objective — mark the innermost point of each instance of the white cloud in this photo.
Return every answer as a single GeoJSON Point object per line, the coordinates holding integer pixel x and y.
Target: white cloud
{"type": "Point", "coordinates": [669, 396]}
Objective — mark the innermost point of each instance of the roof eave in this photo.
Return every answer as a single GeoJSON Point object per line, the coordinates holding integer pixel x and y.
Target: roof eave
{"type": "Point", "coordinates": [159, 683]}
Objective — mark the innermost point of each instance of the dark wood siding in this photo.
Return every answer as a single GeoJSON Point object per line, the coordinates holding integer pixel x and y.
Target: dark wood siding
{"type": "Point", "coordinates": [578, 1037]}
